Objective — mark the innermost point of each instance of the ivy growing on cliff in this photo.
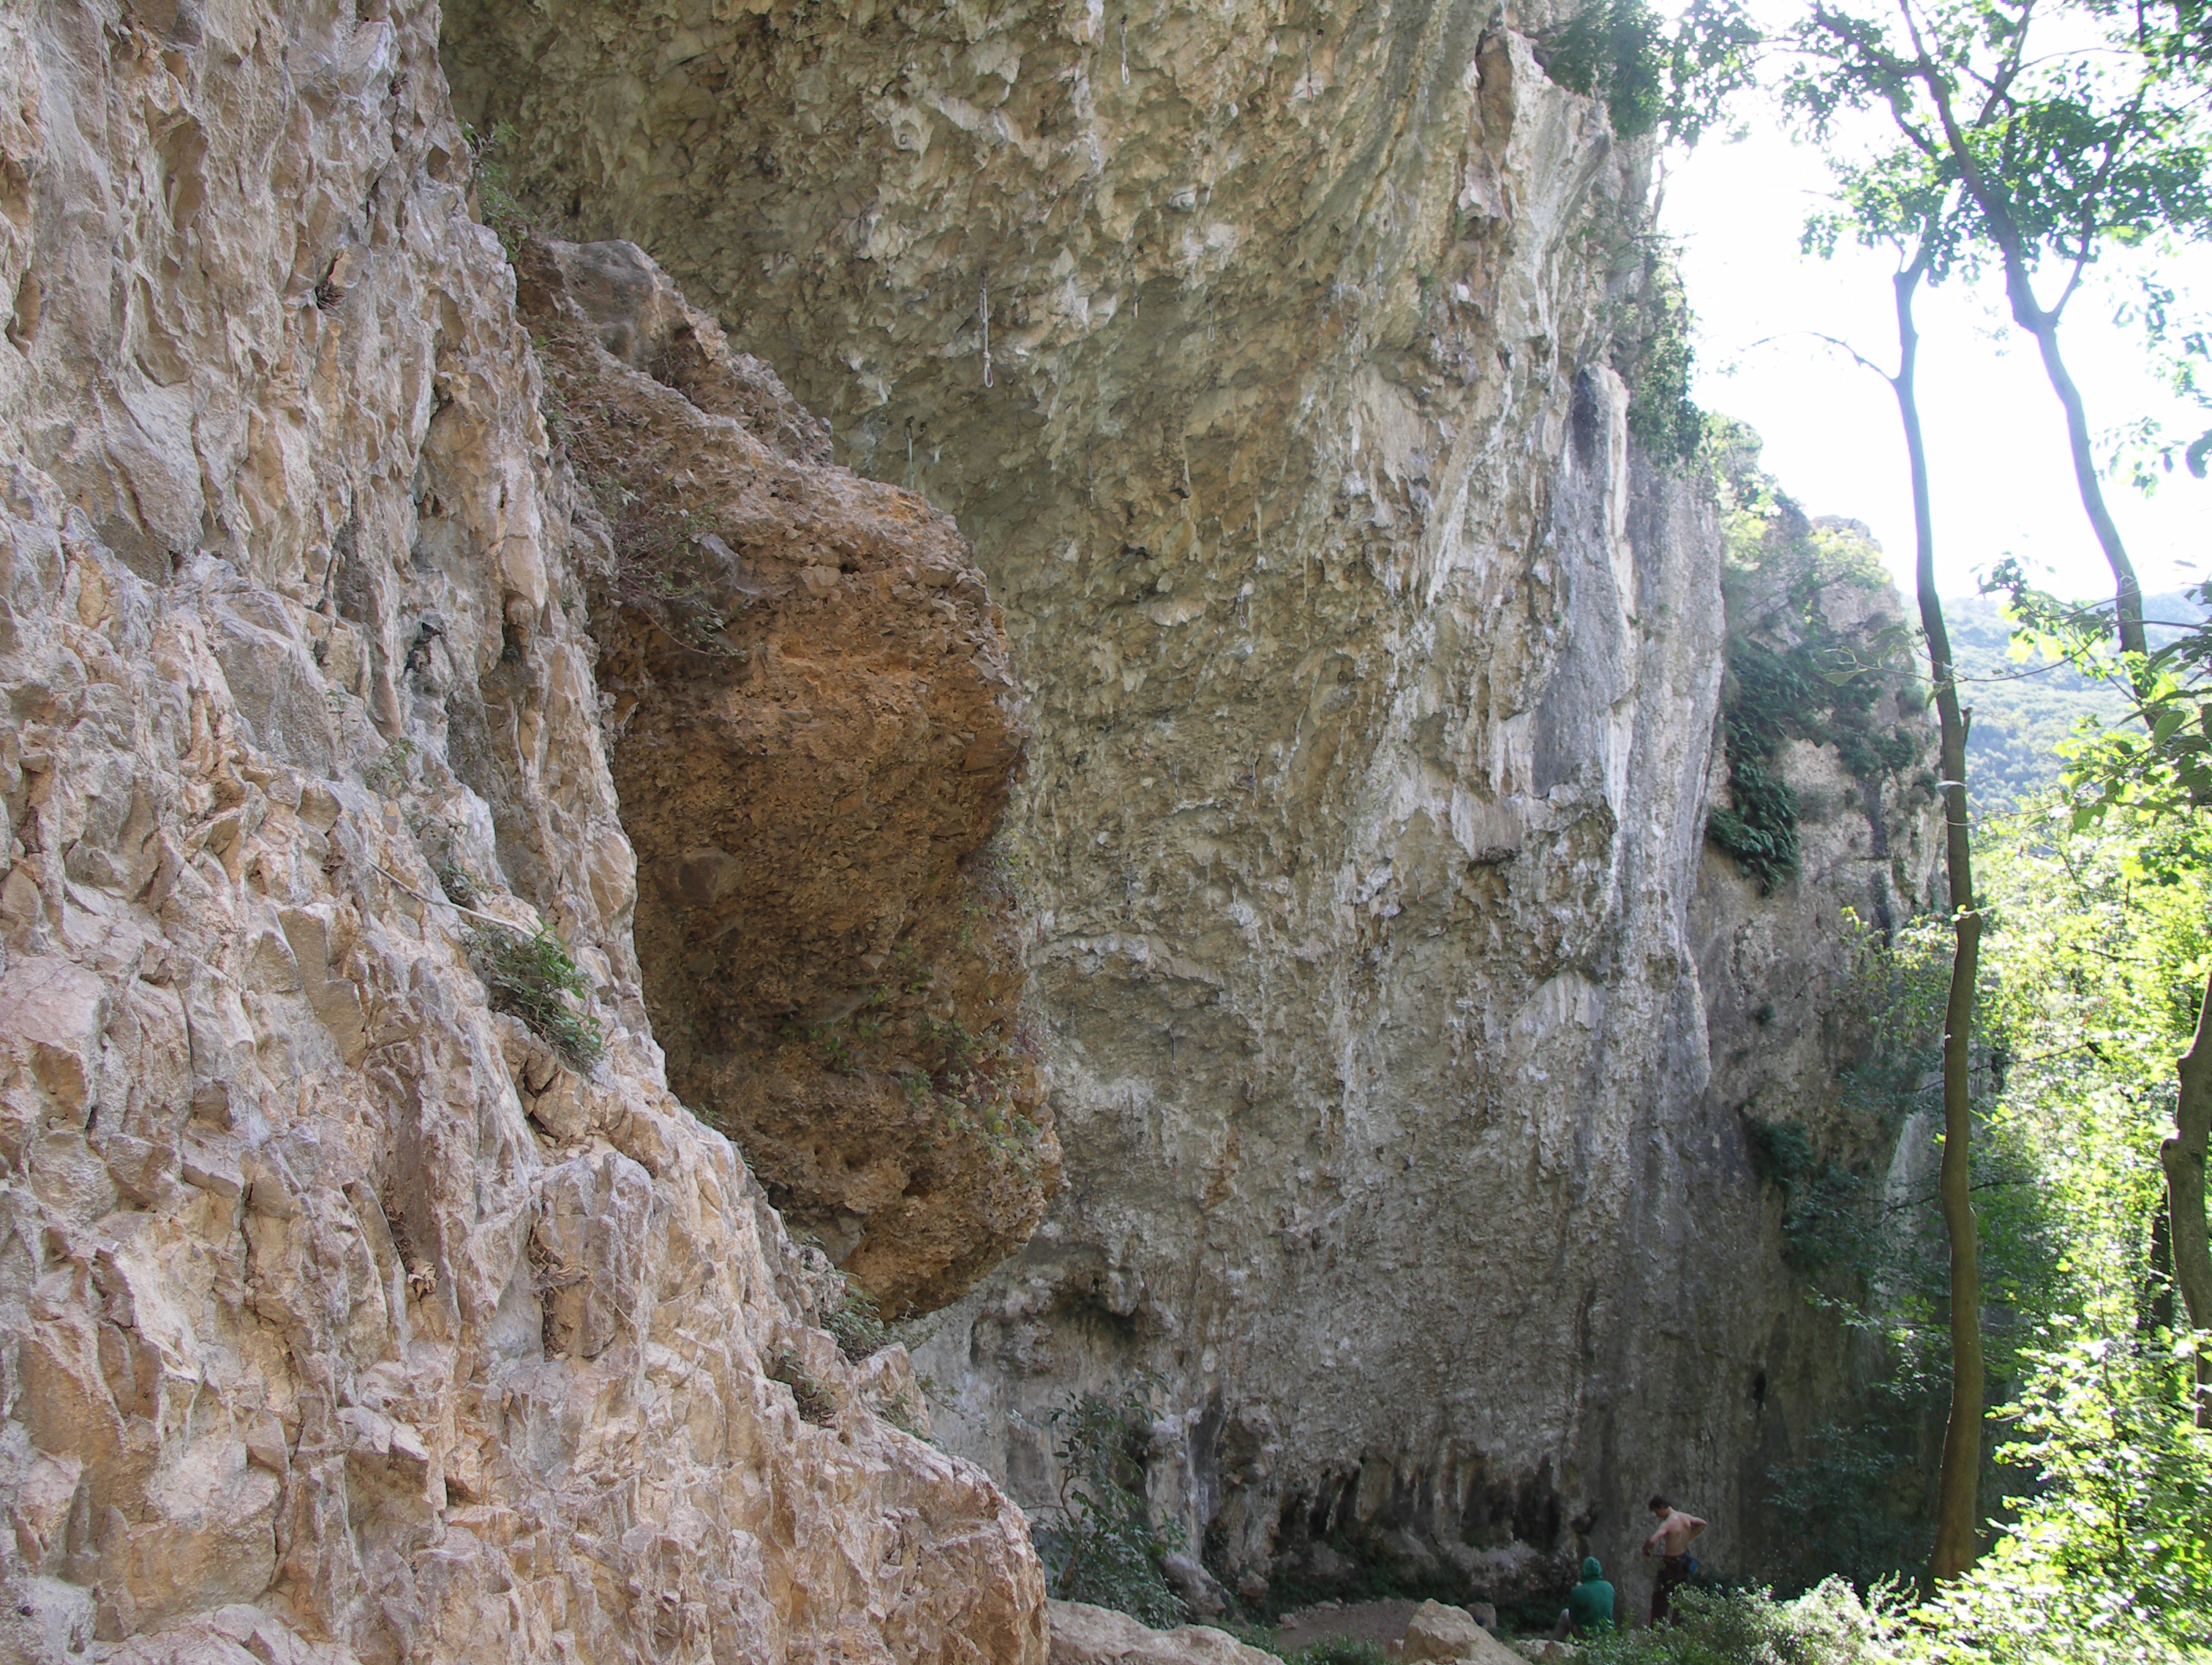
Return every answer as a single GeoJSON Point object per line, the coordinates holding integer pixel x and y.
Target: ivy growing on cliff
{"type": "Point", "coordinates": [1765, 699]}
{"type": "Point", "coordinates": [1655, 78]}
{"type": "Point", "coordinates": [1653, 354]}
{"type": "Point", "coordinates": [1671, 80]}
{"type": "Point", "coordinates": [1792, 673]}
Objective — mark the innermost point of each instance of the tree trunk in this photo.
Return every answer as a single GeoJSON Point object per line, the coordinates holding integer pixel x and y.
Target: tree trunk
{"type": "Point", "coordinates": [1958, 1513]}
{"type": "Point", "coordinates": [2043, 323]}
{"type": "Point", "coordinates": [2044, 326]}
{"type": "Point", "coordinates": [2182, 1156]}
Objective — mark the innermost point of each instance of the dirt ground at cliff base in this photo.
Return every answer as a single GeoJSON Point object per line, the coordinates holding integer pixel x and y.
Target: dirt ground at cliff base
{"type": "Point", "coordinates": [1379, 1622]}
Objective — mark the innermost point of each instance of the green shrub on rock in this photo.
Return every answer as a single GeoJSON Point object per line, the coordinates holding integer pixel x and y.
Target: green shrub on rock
{"type": "Point", "coordinates": [534, 978]}
{"type": "Point", "coordinates": [1826, 1625]}
{"type": "Point", "coordinates": [1104, 1548]}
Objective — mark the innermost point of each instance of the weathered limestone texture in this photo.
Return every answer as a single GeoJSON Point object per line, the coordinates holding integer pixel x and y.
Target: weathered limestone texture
{"type": "Point", "coordinates": [813, 731]}
{"type": "Point", "coordinates": [1437, 1632]}
{"type": "Point", "coordinates": [1265, 352]}
{"type": "Point", "coordinates": [345, 1318]}
{"type": "Point", "coordinates": [1084, 1635]}
{"type": "Point", "coordinates": [1780, 971]}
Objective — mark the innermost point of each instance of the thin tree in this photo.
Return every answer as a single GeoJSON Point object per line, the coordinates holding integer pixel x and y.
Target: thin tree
{"type": "Point", "coordinates": [2182, 1156]}
{"type": "Point", "coordinates": [1958, 1486]}
{"type": "Point", "coordinates": [2061, 159]}
{"type": "Point", "coordinates": [1958, 1502]}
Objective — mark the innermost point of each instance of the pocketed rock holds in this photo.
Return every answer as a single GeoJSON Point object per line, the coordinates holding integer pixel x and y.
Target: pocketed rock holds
{"type": "Point", "coordinates": [1437, 1632]}
{"type": "Point", "coordinates": [814, 732]}
{"type": "Point", "coordinates": [315, 1350]}
{"type": "Point", "coordinates": [1084, 1635]}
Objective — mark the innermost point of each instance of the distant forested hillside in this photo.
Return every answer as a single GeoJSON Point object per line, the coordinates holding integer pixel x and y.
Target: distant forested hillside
{"type": "Point", "coordinates": [2023, 710]}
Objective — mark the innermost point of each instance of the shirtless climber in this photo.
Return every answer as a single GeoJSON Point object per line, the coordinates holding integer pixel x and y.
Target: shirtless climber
{"type": "Point", "coordinates": [1671, 1541]}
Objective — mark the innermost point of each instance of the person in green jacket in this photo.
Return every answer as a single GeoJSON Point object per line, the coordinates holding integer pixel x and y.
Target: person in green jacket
{"type": "Point", "coordinates": [1590, 1604]}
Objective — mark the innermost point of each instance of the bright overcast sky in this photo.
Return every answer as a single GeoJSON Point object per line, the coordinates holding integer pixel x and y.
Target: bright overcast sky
{"type": "Point", "coordinates": [2001, 481]}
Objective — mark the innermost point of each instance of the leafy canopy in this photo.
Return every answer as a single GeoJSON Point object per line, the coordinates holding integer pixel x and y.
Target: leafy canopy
{"type": "Point", "coordinates": [2072, 138]}
{"type": "Point", "coordinates": [2159, 759]}
{"type": "Point", "coordinates": [1675, 82]}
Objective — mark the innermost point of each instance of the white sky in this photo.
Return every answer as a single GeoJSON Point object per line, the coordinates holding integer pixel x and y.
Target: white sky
{"type": "Point", "coordinates": [2001, 481]}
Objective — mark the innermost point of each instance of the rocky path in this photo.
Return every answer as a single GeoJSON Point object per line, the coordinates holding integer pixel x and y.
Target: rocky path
{"type": "Point", "coordinates": [1379, 1622]}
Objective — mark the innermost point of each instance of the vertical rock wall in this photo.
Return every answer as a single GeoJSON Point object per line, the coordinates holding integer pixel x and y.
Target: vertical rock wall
{"type": "Point", "coordinates": [1262, 350]}
{"type": "Point", "coordinates": [1782, 970]}
{"type": "Point", "coordinates": [345, 1317]}
{"type": "Point", "coordinates": [813, 729]}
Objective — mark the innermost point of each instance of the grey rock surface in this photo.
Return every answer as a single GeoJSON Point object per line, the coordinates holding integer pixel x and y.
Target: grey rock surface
{"type": "Point", "coordinates": [1264, 353]}
{"type": "Point", "coordinates": [1086, 1635]}
{"type": "Point", "coordinates": [1440, 1632]}
{"type": "Point", "coordinates": [341, 1318]}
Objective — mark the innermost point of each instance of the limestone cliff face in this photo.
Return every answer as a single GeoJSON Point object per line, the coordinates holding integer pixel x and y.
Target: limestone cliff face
{"type": "Point", "coordinates": [346, 1317]}
{"type": "Point", "coordinates": [1780, 968]}
{"type": "Point", "coordinates": [813, 732]}
{"type": "Point", "coordinates": [1262, 351]}
{"type": "Point", "coordinates": [1372, 677]}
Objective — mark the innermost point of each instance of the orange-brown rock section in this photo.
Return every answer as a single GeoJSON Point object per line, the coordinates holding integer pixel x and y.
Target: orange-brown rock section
{"type": "Point", "coordinates": [814, 732]}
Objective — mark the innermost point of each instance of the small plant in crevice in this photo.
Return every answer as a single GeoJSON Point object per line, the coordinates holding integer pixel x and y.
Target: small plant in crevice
{"type": "Point", "coordinates": [814, 1403]}
{"type": "Point", "coordinates": [855, 1323]}
{"type": "Point", "coordinates": [444, 838]}
{"type": "Point", "coordinates": [909, 974]}
{"type": "Point", "coordinates": [553, 412]}
{"type": "Point", "coordinates": [387, 776]}
{"type": "Point", "coordinates": [967, 1079]}
{"type": "Point", "coordinates": [711, 1119]}
{"type": "Point", "coordinates": [906, 1414]}
{"type": "Point", "coordinates": [664, 567]}
{"type": "Point", "coordinates": [957, 1047]}
{"type": "Point", "coordinates": [496, 199]}
{"type": "Point", "coordinates": [1103, 1547]}
{"type": "Point", "coordinates": [1003, 873]}
{"type": "Point", "coordinates": [453, 880]}
{"type": "Point", "coordinates": [534, 978]}
{"type": "Point", "coordinates": [831, 1048]}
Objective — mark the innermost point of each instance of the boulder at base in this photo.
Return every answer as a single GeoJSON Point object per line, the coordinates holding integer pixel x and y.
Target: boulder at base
{"type": "Point", "coordinates": [1441, 1633]}
{"type": "Point", "coordinates": [1084, 1635]}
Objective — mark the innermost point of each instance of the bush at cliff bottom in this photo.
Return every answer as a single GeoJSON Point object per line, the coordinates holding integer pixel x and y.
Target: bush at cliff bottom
{"type": "Point", "coordinates": [1103, 1547]}
{"type": "Point", "coordinates": [1826, 1625]}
